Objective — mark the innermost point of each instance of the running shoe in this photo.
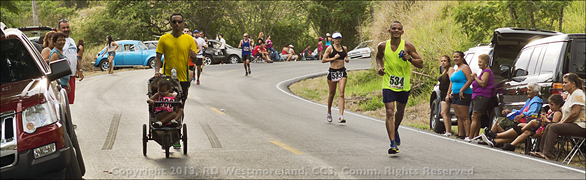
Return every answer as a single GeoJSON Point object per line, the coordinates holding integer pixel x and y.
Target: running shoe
{"type": "Point", "coordinates": [467, 139]}
{"type": "Point", "coordinates": [249, 72]}
{"type": "Point", "coordinates": [447, 134]}
{"type": "Point", "coordinates": [173, 122]}
{"type": "Point", "coordinates": [394, 150]}
{"type": "Point", "coordinates": [397, 138]}
{"type": "Point", "coordinates": [329, 117]}
{"type": "Point", "coordinates": [341, 120]}
{"type": "Point", "coordinates": [245, 73]}
{"type": "Point", "coordinates": [508, 147]}
{"type": "Point", "coordinates": [158, 124]}
{"type": "Point", "coordinates": [177, 145]}
{"type": "Point", "coordinates": [197, 83]}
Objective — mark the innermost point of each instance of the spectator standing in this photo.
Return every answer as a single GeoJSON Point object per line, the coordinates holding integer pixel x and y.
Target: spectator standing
{"type": "Point", "coordinates": [328, 40]}
{"type": "Point", "coordinates": [202, 45]}
{"type": "Point", "coordinates": [320, 49]}
{"type": "Point", "coordinates": [444, 80]}
{"type": "Point", "coordinates": [246, 46]}
{"type": "Point", "coordinates": [48, 44]}
{"type": "Point", "coordinates": [482, 88]}
{"type": "Point", "coordinates": [57, 53]}
{"type": "Point", "coordinates": [223, 46]}
{"type": "Point", "coordinates": [573, 121]}
{"type": "Point", "coordinates": [191, 65]}
{"type": "Point", "coordinates": [394, 59]}
{"type": "Point", "coordinates": [461, 94]}
{"type": "Point", "coordinates": [273, 53]}
{"type": "Point", "coordinates": [111, 47]}
{"type": "Point", "coordinates": [70, 51]}
{"type": "Point", "coordinates": [260, 38]}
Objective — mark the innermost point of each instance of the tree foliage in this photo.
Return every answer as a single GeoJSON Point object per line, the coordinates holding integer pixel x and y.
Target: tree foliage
{"type": "Point", "coordinates": [479, 19]}
{"type": "Point", "coordinates": [343, 16]}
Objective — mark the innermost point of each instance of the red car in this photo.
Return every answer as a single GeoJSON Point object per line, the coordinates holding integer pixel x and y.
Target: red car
{"type": "Point", "coordinates": [38, 138]}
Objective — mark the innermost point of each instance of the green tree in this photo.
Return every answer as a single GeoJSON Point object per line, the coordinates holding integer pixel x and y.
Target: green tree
{"type": "Point", "coordinates": [344, 16]}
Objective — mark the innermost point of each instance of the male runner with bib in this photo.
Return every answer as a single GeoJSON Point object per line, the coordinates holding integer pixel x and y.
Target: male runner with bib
{"type": "Point", "coordinates": [394, 59]}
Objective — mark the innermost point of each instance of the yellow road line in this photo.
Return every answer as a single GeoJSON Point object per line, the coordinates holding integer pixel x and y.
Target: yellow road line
{"type": "Point", "coordinates": [294, 151]}
{"type": "Point", "coordinates": [218, 111]}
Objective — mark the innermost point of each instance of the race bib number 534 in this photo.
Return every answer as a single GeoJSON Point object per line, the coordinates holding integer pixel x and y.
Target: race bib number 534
{"type": "Point", "coordinates": [396, 82]}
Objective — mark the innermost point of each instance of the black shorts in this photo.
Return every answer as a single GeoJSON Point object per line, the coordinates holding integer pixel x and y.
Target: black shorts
{"type": "Point", "coordinates": [480, 104]}
{"type": "Point", "coordinates": [185, 89]}
{"type": "Point", "coordinates": [199, 61]}
{"type": "Point", "coordinates": [245, 57]}
{"type": "Point", "coordinates": [462, 102]}
{"type": "Point", "coordinates": [112, 53]}
{"type": "Point", "coordinates": [392, 96]}
{"type": "Point", "coordinates": [336, 74]}
{"type": "Point", "coordinates": [192, 68]}
{"type": "Point", "coordinates": [443, 96]}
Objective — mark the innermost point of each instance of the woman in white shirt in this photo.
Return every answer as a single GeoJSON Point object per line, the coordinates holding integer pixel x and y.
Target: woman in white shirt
{"type": "Point", "coordinates": [573, 121]}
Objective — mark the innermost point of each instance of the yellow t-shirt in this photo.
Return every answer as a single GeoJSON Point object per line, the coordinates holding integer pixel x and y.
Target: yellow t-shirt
{"type": "Point", "coordinates": [397, 71]}
{"type": "Point", "coordinates": [176, 51]}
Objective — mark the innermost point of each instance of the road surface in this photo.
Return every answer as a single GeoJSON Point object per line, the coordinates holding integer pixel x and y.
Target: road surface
{"type": "Point", "coordinates": [266, 132]}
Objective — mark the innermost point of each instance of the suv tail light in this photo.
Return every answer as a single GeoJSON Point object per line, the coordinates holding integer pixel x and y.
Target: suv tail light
{"type": "Point", "coordinates": [556, 88]}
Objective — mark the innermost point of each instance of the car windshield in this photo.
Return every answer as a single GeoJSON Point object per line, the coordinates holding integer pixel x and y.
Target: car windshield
{"type": "Point", "coordinates": [142, 46]}
{"type": "Point", "coordinates": [362, 45]}
{"type": "Point", "coordinates": [16, 63]}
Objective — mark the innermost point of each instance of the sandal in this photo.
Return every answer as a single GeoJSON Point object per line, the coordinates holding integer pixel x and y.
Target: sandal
{"type": "Point", "coordinates": [539, 155]}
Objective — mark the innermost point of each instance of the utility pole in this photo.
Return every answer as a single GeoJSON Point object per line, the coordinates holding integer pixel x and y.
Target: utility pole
{"type": "Point", "coordinates": [35, 14]}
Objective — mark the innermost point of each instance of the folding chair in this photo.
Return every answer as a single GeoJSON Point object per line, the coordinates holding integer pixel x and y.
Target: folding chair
{"type": "Point", "coordinates": [577, 143]}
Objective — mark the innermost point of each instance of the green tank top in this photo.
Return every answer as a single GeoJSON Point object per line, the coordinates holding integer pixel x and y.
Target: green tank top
{"type": "Point", "coordinates": [397, 71]}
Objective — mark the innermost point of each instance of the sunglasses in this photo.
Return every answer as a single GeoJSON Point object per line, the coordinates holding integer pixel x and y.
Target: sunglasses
{"type": "Point", "coordinates": [63, 20]}
{"type": "Point", "coordinates": [176, 22]}
{"type": "Point", "coordinates": [338, 38]}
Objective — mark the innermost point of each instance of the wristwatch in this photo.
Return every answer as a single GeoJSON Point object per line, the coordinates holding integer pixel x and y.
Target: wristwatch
{"type": "Point", "coordinates": [410, 58]}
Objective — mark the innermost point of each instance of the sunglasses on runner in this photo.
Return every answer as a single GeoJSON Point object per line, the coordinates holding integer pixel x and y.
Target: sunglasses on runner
{"type": "Point", "coordinates": [176, 22]}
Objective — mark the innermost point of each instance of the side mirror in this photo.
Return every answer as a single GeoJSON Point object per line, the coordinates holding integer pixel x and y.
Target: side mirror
{"type": "Point", "coordinates": [59, 69]}
{"type": "Point", "coordinates": [505, 71]}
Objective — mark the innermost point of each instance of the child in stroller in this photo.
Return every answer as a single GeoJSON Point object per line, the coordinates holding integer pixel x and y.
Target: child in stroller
{"type": "Point", "coordinates": [165, 114]}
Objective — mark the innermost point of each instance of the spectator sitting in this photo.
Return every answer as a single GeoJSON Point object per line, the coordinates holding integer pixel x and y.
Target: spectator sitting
{"type": "Point", "coordinates": [307, 53]}
{"type": "Point", "coordinates": [289, 53]}
{"type": "Point", "coordinates": [573, 121]}
{"type": "Point", "coordinates": [532, 106]}
{"type": "Point", "coordinates": [260, 52]}
{"type": "Point", "coordinates": [554, 116]}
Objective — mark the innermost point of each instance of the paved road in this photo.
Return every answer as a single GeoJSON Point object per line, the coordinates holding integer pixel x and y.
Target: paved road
{"type": "Point", "coordinates": [265, 132]}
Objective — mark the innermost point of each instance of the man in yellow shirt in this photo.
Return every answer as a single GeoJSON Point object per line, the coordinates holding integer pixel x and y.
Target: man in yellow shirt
{"type": "Point", "coordinates": [177, 48]}
{"type": "Point", "coordinates": [394, 59]}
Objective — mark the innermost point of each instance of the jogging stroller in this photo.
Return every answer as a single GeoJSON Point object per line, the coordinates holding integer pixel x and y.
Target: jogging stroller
{"type": "Point", "coordinates": [165, 135]}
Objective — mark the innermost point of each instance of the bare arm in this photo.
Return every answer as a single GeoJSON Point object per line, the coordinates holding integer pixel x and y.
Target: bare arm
{"type": "Point", "coordinates": [326, 55]}
{"type": "Point", "coordinates": [573, 114]}
{"type": "Point", "coordinates": [466, 70]}
{"type": "Point", "coordinates": [380, 55]}
{"type": "Point", "coordinates": [483, 81]}
{"type": "Point", "coordinates": [240, 45]}
{"type": "Point", "coordinates": [153, 98]}
{"type": "Point", "coordinates": [158, 64]}
{"type": "Point", "coordinates": [412, 52]}
{"type": "Point", "coordinates": [347, 59]}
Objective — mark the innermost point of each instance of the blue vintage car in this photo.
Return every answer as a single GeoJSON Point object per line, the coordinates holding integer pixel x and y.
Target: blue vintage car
{"type": "Point", "coordinates": [130, 53]}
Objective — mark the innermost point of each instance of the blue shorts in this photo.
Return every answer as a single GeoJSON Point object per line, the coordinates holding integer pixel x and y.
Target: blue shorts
{"type": "Point", "coordinates": [392, 96]}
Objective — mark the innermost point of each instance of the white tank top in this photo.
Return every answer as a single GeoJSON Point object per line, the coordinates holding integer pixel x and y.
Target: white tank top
{"type": "Point", "coordinates": [111, 48]}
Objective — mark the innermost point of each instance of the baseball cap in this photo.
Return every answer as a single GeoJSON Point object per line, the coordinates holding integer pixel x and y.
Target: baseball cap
{"type": "Point", "coordinates": [196, 31]}
{"type": "Point", "coordinates": [320, 38]}
{"type": "Point", "coordinates": [291, 46]}
{"type": "Point", "coordinates": [328, 34]}
{"type": "Point", "coordinates": [336, 35]}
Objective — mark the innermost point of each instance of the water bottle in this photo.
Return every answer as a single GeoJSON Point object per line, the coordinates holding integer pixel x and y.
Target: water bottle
{"type": "Point", "coordinates": [174, 73]}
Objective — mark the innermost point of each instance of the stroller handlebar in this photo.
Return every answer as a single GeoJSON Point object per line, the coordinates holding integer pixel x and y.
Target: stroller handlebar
{"type": "Point", "coordinates": [168, 102]}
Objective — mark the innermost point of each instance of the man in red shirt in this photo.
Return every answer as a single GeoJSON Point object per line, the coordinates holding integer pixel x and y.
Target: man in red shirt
{"type": "Point", "coordinates": [261, 52]}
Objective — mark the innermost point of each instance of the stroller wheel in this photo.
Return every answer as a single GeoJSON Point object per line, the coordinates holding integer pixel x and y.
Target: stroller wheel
{"type": "Point", "coordinates": [184, 138]}
{"type": "Point", "coordinates": [145, 139]}
{"type": "Point", "coordinates": [167, 143]}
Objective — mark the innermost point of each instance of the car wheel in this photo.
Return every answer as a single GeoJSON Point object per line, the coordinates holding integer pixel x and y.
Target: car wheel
{"type": "Point", "coordinates": [70, 130]}
{"type": "Point", "coordinates": [72, 171]}
{"type": "Point", "coordinates": [207, 60]}
{"type": "Point", "coordinates": [234, 59]}
{"type": "Point", "coordinates": [434, 123]}
{"type": "Point", "coordinates": [151, 63]}
{"type": "Point", "coordinates": [104, 65]}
